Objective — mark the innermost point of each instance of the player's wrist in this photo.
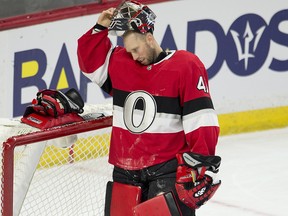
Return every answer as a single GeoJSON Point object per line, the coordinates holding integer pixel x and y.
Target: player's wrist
{"type": "Point", "coordinates": [98, 27]}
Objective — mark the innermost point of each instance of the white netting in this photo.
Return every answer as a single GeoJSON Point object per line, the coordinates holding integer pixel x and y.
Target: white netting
{"type": "Point", "coordinates": [56, 180]}
{"type": "Point", "coordinates": [71, 181]}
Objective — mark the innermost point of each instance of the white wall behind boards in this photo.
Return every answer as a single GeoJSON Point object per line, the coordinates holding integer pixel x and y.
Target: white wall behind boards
{"type": "Point", "coordinates": [244, 45]}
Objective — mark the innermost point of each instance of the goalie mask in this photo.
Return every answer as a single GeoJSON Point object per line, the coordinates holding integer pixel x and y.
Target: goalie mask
{"type": "Point", "coordinates": [132, 15]}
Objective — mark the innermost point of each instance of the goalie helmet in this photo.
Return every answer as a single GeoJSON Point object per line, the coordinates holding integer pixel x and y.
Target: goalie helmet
{"type": "Point", "coordinates": [132, 15]}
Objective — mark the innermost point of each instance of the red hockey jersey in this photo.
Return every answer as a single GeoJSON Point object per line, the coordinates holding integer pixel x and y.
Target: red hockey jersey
{"type": "Point", "coordinates": [158, 110]}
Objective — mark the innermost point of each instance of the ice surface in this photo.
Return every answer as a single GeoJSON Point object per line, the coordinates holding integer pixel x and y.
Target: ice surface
{"type": "Point", "coordinates": [254, 173]}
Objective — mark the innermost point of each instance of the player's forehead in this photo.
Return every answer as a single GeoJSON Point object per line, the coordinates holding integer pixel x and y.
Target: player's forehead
{"type": "Point", "coordinates": [133, 41]}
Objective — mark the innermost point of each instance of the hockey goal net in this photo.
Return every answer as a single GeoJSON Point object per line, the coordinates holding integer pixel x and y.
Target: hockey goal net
{"type": "Point", "coordinates": [58, 171]}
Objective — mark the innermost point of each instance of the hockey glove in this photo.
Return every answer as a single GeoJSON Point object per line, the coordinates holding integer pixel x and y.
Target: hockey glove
{"type": "Point", "coordinates": [193, 185]}
{"type": "Point", "coordinates": [53, 108]}
{"type": "Point", "coordinates": [55, 103]}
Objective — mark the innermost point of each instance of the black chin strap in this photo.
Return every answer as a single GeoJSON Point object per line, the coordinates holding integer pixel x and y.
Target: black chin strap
{"type": "Point", "coordinates": [161, 56]}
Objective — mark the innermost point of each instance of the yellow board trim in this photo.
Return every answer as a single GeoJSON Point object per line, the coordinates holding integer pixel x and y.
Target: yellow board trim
{"type": "Point", "coordinates": [253, 120]}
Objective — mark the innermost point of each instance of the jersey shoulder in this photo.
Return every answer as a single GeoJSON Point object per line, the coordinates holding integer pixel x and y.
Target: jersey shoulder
{"type": "Point", "coordinates": [188, 59]}
{"type": "Point", "coordinates": [187, 56]}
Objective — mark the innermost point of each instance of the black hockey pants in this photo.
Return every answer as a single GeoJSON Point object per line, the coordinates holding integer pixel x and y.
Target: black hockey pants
{"type": "Point", "coordinates": [153, 180]}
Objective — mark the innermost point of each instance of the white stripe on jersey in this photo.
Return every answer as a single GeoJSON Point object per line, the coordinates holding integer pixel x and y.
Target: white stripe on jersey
{"type": "Point", "coordinates": [201, 118]}
{"type": "Point", "coordinates": [163, 122]}
{"type": "Point", "coordinates": [100, 75]}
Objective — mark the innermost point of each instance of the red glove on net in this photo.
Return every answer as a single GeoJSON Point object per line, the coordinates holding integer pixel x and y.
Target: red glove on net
{"type": "Point", "coordinates": [194, 186]}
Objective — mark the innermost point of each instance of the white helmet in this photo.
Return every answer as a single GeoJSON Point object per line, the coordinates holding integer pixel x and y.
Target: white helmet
{"type": "Point", "coordinates": [132, 15]}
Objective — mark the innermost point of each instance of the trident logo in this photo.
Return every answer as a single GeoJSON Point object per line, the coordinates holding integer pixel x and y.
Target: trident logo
{"type": "Point", "coordinates": [248, 36]}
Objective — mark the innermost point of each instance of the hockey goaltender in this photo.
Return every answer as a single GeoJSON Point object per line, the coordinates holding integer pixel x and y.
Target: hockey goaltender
{"type": "Point", "coordinates": [165, 128]}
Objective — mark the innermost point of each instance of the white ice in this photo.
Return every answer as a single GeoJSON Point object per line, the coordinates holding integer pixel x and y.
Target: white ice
{"type": "Point", "coordinates": [254, 173]}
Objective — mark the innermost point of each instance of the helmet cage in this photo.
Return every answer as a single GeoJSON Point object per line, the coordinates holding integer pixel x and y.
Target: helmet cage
{"type": "Point", "coordinates": [131, 15]}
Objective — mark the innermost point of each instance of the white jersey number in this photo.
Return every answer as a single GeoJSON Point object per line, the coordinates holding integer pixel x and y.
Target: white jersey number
{"type": "Point", "coordinates": [138, 121]}
{"type": "Point", "coordinates": [201, 86]}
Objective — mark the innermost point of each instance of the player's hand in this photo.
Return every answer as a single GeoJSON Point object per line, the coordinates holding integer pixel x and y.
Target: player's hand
{"type": "Point", "coordinates": [105, 17]}
{"type": "Point", "coordinates": [193, 185]}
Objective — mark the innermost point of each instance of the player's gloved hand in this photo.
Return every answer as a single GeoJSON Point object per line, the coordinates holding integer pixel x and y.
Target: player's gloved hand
{"type": "Point", "coordinates": [193, 184]}
{"type": "Point", "coordinates": [105, 17]}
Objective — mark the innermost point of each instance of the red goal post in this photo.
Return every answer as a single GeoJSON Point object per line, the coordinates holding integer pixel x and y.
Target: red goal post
{"type": "Point", "coordinates": [58, 171]}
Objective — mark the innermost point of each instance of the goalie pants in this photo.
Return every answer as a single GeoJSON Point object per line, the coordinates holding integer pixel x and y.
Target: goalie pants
{"type": "Point", "coordinates": [153, 181]}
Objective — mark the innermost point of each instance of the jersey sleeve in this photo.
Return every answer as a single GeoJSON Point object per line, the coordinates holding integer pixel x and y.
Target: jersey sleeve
{"type": "Point", "coordinates": [94, 51]}
{"type": "Point", "coordinates": [200, 121]}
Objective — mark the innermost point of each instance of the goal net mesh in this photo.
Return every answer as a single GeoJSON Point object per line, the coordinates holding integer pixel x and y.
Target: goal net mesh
{"type": "Point", "coordinates": [63, 175]}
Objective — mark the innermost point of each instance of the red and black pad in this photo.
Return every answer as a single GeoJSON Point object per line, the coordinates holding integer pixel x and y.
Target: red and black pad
{"type": "Point", "coordinates": [162, 205]}
{"type": "Point", "coordinates": [45, 121]}
{"type": "Point", "coordinates": [121, 199]}
{"type": "Point", "coordinates": [53, 108]}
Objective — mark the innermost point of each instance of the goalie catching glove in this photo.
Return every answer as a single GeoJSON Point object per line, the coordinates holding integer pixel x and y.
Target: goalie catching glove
{"type": "Point", "coordinates": [194, 186]}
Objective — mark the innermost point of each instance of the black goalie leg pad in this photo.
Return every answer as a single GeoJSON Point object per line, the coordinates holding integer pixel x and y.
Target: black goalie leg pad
{"type": "Point", "coordinates": [121, 199]}
{"type": "Point", "coordinates": [163, 204]}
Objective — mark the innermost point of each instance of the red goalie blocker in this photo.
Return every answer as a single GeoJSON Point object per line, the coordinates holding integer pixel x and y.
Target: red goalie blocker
{"type": "Point", "coordinates": [43, 121]}
{"type": "Point", "coordinates": [125, 200]}
{"type": "Point", "coordinates": [52, 108]}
